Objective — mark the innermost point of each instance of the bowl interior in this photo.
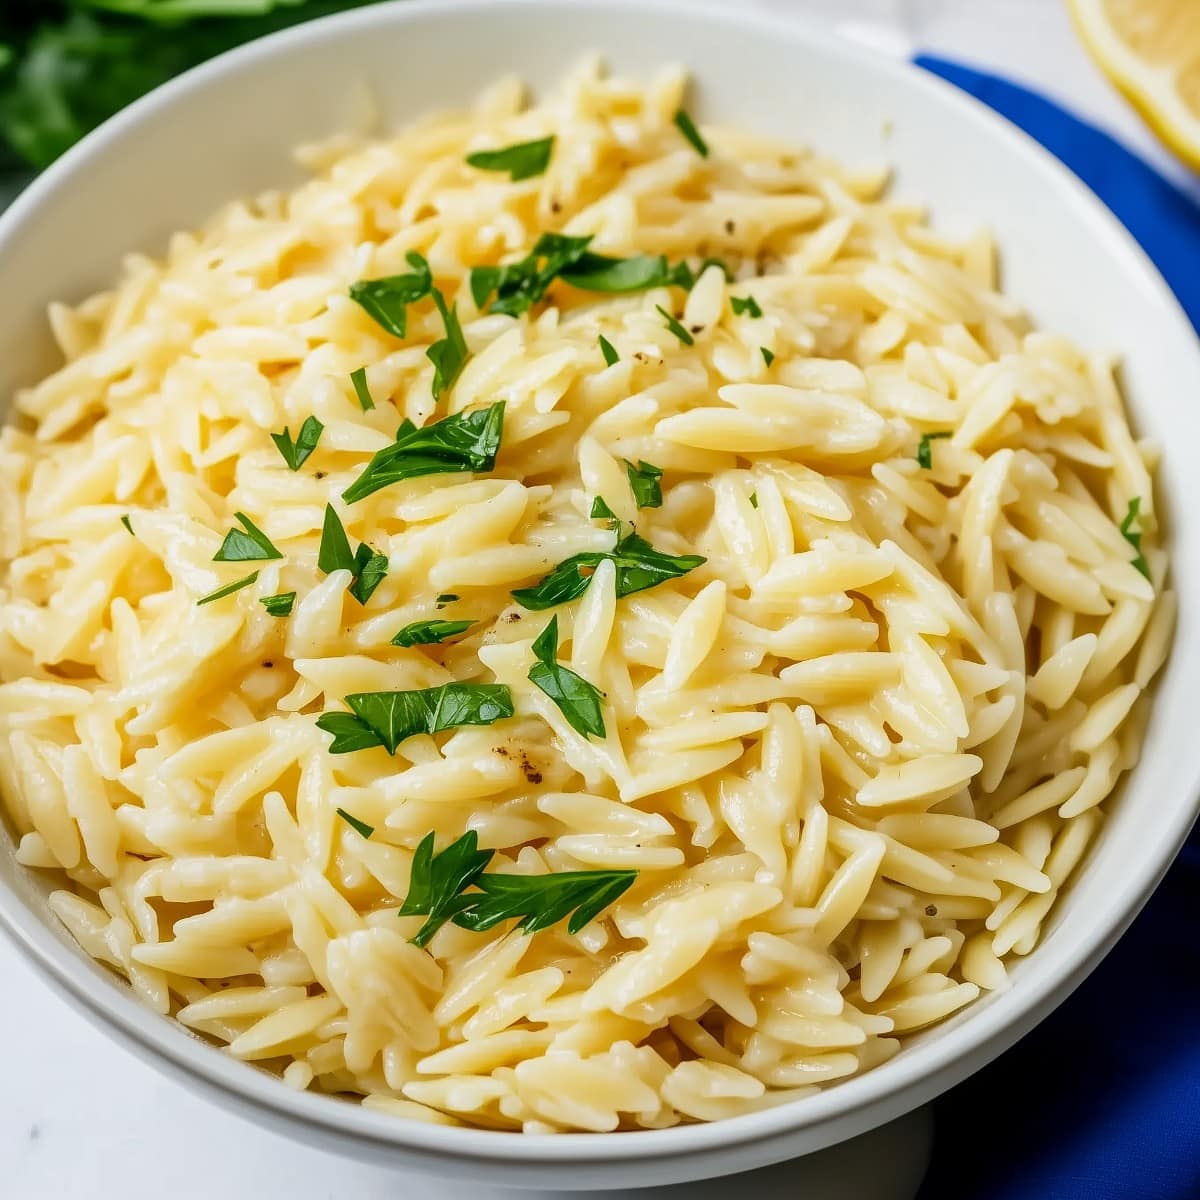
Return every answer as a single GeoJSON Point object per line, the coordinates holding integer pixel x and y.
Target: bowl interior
{"type": "Point", "coordinates": [228, 129]}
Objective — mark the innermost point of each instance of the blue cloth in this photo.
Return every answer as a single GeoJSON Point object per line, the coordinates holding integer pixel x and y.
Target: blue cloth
{"type": "Point", "coordinates": [1102, 1100]}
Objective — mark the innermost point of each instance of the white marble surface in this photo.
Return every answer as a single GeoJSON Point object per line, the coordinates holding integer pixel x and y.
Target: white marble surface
{"type": "Point", "coordinates": [81, 1118]}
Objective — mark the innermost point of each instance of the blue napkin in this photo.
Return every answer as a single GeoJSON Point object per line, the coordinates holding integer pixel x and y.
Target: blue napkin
{"type": "Point", "coordinates": [1102, 1100]}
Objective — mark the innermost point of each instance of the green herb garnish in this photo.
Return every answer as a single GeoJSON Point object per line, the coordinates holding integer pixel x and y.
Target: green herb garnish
{"type": "Point", "coordinates": [768, 356]}
{"type": "Point", "coordinates": [520, 285]}
{"type": "Point", "coordinates": [638, 566]}
{"type": "Point", "coordinates": [438, 889]}
{"type": "Point", "coordinates": [280, 605]}
{"type": "Point", "coordinates": [228, 589]}
{"type": "Point", "coordinates": [359, 379]}
{"type": "Point", "coordinates": [128, 524]}
{"type": "Point", "coordinates": [611, 357]}
{"type": "Point", "coordinates": [688, 128]}
{"type": "Point", "coordinates": [446, 598]}
{"type": "Point", "coordinates": [675, 327]}
{"type": "Point", "coordinates": [925, 447]}
{"type": "Point", "coordinates": [296, 453]}
{"type": "Point", "coordinates": [449, 355]}
{"type": "Point", "coordinates": [1134, 537]}
{"type": "Point", "coordinates": [601, 511]}
{"type": "Point", "coordinates": [576, 699]}
{"type": "Point", "coordinates": [745, 306]}
{"type": "Point", "coordinates": [387, 718]}
{"type": "Point", "coordinates": [524, 160]}
{"type": "Point", "coordinates": [644, 483]}
{"type": "Point", "coordinates": [367, 566]}
{"type": "Point", "coordinates": [429, 633]}
{"type": "Point", "coordinates": [462, 442]}
{"type": "Point", "coordinates": [360, 827]}
{"type": "Point", "coordinates": [248, 544]}
{"type": "Point", "coordinates": [386, 300]}
{"type": "Point", "coordinates": [600, 273]}
{"type": "Point", "coordinates": [753, 499]}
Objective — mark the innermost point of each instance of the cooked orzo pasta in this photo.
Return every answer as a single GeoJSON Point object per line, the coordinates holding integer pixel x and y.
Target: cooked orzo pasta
{"type": "Point", "coordinates": [715, 677]}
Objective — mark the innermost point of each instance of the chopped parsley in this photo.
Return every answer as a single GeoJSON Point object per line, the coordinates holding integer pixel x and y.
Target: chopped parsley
{"type": "Point", "coordinates": [430, 633]}
{"type": "Point", "coordinates": [228, 589]}
{"type": "Point", "coordinates": [360, 827]}
{"type": "Point", "coordinates": [446, 598]}
{"type": "Point", "coordinates": [462, 442]}
{"type": "Point", "coordinates": [248, 544]}
{"type": "Point", "coordinates": [386, 300]}
{"type": "Point", "coordinates": [1134, 536]}
{"type": "Point", "coordinates": [753, 499]}
{"type": "Point", "coordinates": [745, 306]}
{"type": "Point", "coordinates": [450, 354]}
{"type": "Point", "coordinates": [367, 566]}
{"type": "Point", "coordinates": [128, 524]}
{"type": "Point", "coordinates": [296, 453]}
{"type": "Point", "coordinates": [523, 160]}
{"type": "Point", "coordinates": [438, 890]}
{"type": "Point", "coordinates": [644, 483]}
{"type": "Point", "coordinates": [687, 127]}
{"type": "Point", "coordinates": [579, 701]}
{"type": "Point", "coordinates": [638, 566]}
{"type": "Point", "coordinates": [768, 356]}
{"type": "Point", "coordinates": [359, 379]}
{"type": "Point", "coordinates": [611, 357]}
{"type": "Point", "coordinates": [601, 511]}
{"type": "Point", "coordinates": [280, 605]}
{"type": "Point", "coordinates": [925, 447]}
{"type": "Point", "coordinates": [387, 718]}
{"type": "Point", "coordinates": [675, 327]}
{"type": "Point", "coordinates": [520, 285]}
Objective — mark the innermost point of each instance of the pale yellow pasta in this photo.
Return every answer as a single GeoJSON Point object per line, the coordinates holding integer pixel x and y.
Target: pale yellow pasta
{"type": "Point", "coordinates": [853, 757]}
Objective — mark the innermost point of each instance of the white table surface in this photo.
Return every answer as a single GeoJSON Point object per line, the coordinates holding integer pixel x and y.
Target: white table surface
{"type": "Point", "coordinates": [81, 1118]}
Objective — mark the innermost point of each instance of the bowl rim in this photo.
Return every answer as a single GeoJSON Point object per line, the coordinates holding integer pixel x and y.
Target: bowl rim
{"type": "Point", "coordinates": [884, 1092]}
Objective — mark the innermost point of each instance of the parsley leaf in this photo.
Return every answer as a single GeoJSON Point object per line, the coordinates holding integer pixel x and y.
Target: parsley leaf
{"type": "Point", "coordinates": [925, 447]}
{"type": "Point", "coordinates": [600, 273]}
{"type": "Point", "coordinates": [462, 442]}
{"type": "Point", "coordinates": [520, 285]}
{"type": "Point", "coordinates": [387, 718]}
{"type": "Point", "coordinates": [576, 699]}
{"type": "Point", "coordinates": [228, 589]}
{"type": "Point", "coordinates": [753, 499]}
{"type": "Point", "coordinates": [643, 482]}
{"type": "Point", "coordinates": [437, 881]}
{"type": "Point", "coordinates": [386, 300]}
{"type": "Point", "coordinates": [368, 566]}
{"type": "Point", "coordinates": [359, 379]}
{"type": "Point", "coordinates": [638, 566]}
{"type": "Point", "coordinates": [128, 524]}
{"type": "Point", "coordinates": [600, 510]}
{"type": "Point", "coordinates": [359, 827]}
{"type": "Point", "coordinates": [296, 453]}
{"type": "Point", "coordinates": [248, 544]}
{"type": "Point", "coordinates": [675, 327]}
{"type": "Point", "coordinates": [611, 357]}
{"type": "Point", "coordinates": [449, 355]}
{"type": "Point", "coordinates": [446, 598]}
{"type": "Point", "coordinates": [1134, 537]}
{"type": "Point", "coordinates": [524, 160]}
{"type": "Point", "coordinates": [687, 127]}
{"type": "Point", "coordinates": [438, 889]}
{"type": "Point", "coordinates": [768, 356]}
{"type": "Point", "coordinates": [745, 306]}
{"type": "Point", "coordinates": [280, 605]}
{"type": "Point", "coordinates": [429, 633]}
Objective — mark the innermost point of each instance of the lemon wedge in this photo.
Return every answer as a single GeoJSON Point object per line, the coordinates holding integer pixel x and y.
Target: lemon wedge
{"type": "Point", "coordinates": [1151, 50]}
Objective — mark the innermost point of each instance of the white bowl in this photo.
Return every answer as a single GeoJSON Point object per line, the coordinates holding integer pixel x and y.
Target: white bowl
{"type": "Point", "coordinates": [227, 129]}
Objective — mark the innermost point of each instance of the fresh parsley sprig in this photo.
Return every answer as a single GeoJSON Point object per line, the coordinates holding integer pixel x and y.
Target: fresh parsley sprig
{"type": "Point", "coordinates": [296, 453]}
{"type": "Point", "coordinates": [925, 447]}
{"type": "Point", "coordinates": [280, 605]}
{"type": "Point", "coordinates": [429, 633]}
{"type": "Point", "coordinates": [638, 566]}
{"type": "Point", "coordinates": [367, 566]}
{"type": "Point", "coordinates": [387, 718]}
{"type": "Point", "coordinates": [229, 589]}
{"type": "Point", "coordinates": [520, 285]}
{"type": "Point", "coordinates": [462, 442]}
{"type": "Point", "coordinates": [361, 391]}
{"type": "Point", "coordinates": [579, 701]}
{"type": "Point", "coordinates": [448, 355]}
{"type": "Point", "coordinates": [386, 300]}
{"type": "Point", "coordinates": [248, 544]}
{"type": "Point", "coordinates": [523, 160]}
{"type": "Point", "coordinates": [1134, 536]}
{"type": "Point", "coordinates": [611, 357]}
{"type": "Point", "coordinates": [438, 890]}
{"type": "Point", "coordinates": [644, 483]}
{"type": "Point", "coordinates": [359, 827]}
{"type": "Point", "coordinates": [745, 306]}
